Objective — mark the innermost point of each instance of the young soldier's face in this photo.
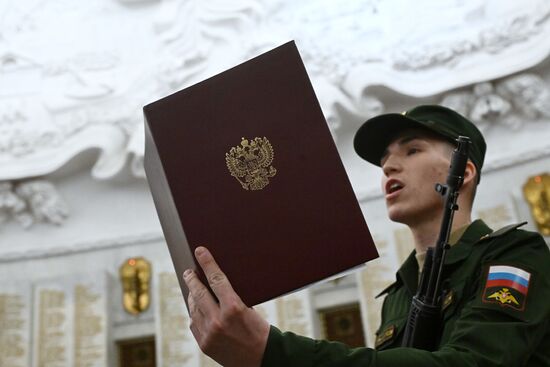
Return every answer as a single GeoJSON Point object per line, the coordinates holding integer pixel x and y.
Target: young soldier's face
{"type": "Point", "coordinates": [412, 164]}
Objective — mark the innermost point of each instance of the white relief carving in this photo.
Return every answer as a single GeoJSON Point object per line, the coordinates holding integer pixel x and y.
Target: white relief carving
{"type": "Point", "coordinates": [19, 135]}
{"type": "Point", "coordinates": [493, 39]}
{"type": "Point", "coordinates": [327, 35]}
{"type": "Point", "coordinates": [406, 42]}
{"type": "Point", "coordinates": [137, 1]}
{"type": "Point", "coordinates": [136, 149]}
{"type": "Point", "coordinates": [31, 201]}
{"type": "Point", "coordinates": [529, 93]}
{"type": "Point", "coordinates": [10, 61]}
{"type": "Point", "coordinates": [12, 206]}
{"type": "Point", "coordinates": [80, 90]}
{"type": "Point", "coordinates": [488, 107]}
{"type": "Point", "coordinates": [191, 32]}
{"type": "Point", "coordinates": [30, 130]}
{"type": "Point", "coordinates": [370, 106]}
{"type": "Point", "coordinates": [509, 102]}
{"type": "Point", "coordinates": [332, 100]}
{"type": "Point", "coordinates": [461, 102]}
{"type": "Point", "coordinates": [74, 84]}
{"type": "Point", "coordinates": [43, 200]}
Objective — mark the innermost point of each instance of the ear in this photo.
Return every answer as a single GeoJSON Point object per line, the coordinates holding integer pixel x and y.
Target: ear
{"type": "Point", "coordinates": [470, 174]}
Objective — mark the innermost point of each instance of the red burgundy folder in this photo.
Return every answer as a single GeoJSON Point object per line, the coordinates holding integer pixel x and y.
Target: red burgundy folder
{"type": "Point", "coordinates": [244, 164]}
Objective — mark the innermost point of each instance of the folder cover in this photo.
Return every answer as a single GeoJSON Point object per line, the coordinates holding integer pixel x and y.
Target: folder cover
{"type": "Point", "coordinates": [244, 164]}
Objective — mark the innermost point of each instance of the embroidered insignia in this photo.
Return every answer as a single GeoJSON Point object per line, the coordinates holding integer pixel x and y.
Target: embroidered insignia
{"type": "Point", "coordinates": [504, 296]}
{"type": "Point", "coordinates": [250, 163]}
{"type": "Point", "coordinates": [448, 300]}
{"type": "Point", "coordinates": [384, 336]}
{"type": "Point", "coordinates": [507, 286]}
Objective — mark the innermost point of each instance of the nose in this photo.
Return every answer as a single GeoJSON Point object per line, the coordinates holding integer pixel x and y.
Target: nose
{"type": "Point", "coordinates": [391, 165]}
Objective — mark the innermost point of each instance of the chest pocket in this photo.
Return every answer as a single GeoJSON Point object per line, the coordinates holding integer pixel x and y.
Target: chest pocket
{"type": "Point", "coordinates": [451, 306]}
{"type": "Point", "coordinates": [394, 317]}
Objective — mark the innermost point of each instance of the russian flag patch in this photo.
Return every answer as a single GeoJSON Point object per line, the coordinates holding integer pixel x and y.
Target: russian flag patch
{"type": "Point", "coordinates": [507, 286]}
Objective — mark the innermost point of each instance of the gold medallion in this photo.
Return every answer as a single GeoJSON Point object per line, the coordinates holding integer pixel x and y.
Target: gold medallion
{"type": "Point", "coordinates": [537, 193]}
{"type": "Point", "coordinates": [135, 276]}
{"type": "Point", "coordinates": [250, 163]}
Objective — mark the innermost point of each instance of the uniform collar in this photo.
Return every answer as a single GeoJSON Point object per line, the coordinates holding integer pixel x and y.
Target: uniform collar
{"type": "Point", "coordinates": [408, 272]}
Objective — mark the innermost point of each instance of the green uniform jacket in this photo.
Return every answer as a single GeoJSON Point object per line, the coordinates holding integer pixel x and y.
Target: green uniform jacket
{"type": "Point", "coordinates": [490, 319]}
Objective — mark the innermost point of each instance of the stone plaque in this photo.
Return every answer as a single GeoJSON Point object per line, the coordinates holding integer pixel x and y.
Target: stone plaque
{"type": "Point", "coordinates": [90, 336]}
{"type": "Point", "coordinates": [175, 343]}
{"type": "Point", "coordinates": [51, 328]}
{"type": "Point", "coordinates": [70, 327]}
{"type": "Point", "coordinates": [377, 275]}
{"type": "Point", "coordinates": [15, 324]}
{"type": "Point", "coordinates": [294, 313]}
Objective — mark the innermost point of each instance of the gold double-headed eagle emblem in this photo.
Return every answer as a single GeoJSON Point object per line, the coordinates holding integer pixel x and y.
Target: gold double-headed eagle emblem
{"type": "Point", "coordinates": [504, 296]}
{"type": "Point", "coordinates": [250, 163]}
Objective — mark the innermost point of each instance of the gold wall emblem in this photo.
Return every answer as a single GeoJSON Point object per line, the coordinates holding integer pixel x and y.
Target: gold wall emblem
{"type": "Point", "coordinates": [250, 163]}
{"type": "Point", "coordinates": [537, 193]}
{"type": "Point", "coordinates": [135, 275]}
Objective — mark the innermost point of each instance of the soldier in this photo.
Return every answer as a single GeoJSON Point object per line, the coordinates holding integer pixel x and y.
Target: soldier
{"type": "Point", "coordinates": [495, 310]}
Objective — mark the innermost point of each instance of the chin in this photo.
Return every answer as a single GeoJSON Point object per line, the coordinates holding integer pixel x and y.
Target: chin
{"type": "Point", "coordinates": [397, 216]}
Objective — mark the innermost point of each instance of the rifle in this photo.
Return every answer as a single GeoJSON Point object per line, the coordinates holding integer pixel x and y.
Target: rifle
{"type": "Point", "coordinates": [424, 323]}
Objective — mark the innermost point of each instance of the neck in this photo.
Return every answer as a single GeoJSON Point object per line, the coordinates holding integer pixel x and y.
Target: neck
{"type": "Point", "coordinates": [425, 232]}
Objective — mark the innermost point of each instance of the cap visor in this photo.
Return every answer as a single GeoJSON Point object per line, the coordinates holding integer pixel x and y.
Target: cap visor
{"type": "Point", "coordinates": [372, 139]}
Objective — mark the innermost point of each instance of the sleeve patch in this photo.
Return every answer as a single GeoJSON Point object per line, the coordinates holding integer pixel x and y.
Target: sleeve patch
{"type": "Point", "coordinates": [506, 286]}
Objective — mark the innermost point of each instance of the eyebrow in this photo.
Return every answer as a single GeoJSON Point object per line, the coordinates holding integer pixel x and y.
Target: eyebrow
{"type": "Point", "coordinates": [404, 140]}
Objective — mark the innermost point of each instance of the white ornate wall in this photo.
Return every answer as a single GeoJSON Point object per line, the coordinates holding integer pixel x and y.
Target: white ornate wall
{"type": "Point", "coordinates": [74, 203]}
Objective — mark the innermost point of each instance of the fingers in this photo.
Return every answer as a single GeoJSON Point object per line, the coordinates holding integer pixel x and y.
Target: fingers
{"type": "Point", "coordinates": [216, 278]}
{"type": "Point", "coordinates": [193, 309]}
{"type": "Point", "coordinates": [193, 313]}
{"type": "Point", "coordinates": [199, 295]}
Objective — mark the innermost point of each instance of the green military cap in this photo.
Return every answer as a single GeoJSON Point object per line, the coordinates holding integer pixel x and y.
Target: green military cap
{"type": "Point", "coordinates": [372, 139]}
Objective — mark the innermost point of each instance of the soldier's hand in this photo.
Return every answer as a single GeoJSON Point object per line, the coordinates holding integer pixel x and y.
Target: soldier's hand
{"type": "Point", "coordinates": [229, 332]}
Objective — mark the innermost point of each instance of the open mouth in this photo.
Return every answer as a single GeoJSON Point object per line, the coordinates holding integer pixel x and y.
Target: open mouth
{"type": "Point", "coordinates": [393, 186]}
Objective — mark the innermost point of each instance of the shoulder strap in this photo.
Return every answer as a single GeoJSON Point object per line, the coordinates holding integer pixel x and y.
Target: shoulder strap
{"type": "Point", "coordinates": [503, 230]}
